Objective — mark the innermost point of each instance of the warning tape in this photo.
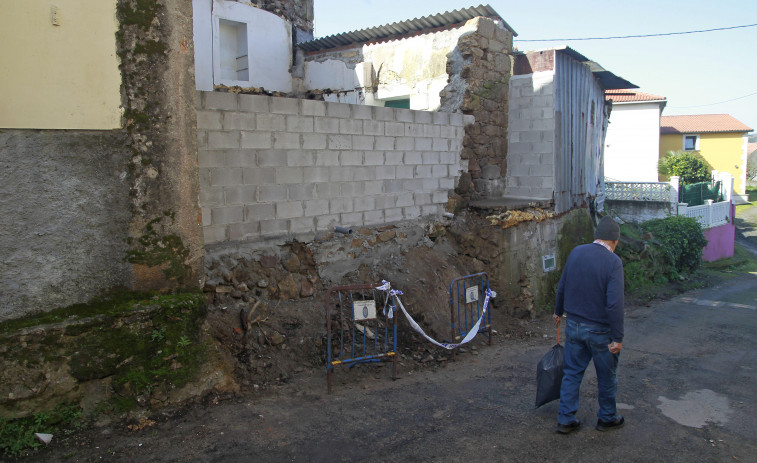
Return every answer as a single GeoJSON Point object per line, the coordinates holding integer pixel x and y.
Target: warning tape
{"type": "Point", "coordinates": [387, 287]}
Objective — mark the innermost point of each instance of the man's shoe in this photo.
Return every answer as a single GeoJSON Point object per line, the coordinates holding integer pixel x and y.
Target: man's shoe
{"type": "Point", "coordinates": [568, 428]}
{"type": "Point", "coordinates": [608, 425]}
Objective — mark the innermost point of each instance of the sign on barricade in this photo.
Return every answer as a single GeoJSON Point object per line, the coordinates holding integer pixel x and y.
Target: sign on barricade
{"type": "Point", "coordinates": [359, 329]}
{"type": "Point", "coordinates": [466, 304]}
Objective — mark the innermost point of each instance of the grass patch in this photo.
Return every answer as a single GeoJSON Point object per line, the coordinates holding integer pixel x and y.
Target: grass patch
{"type": "Point", "coordinates": [145, 344]}
{"type": "Point", "coordinates": [740, 208]}
{"type": "Point", "coordinates": [751, 192]}
{"type": "Point", "coordinates": [742, 261]}
{"type": "Point", "coordinates": [17, 436]}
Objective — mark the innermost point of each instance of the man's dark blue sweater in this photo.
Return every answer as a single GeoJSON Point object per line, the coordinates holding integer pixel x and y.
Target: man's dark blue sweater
{"type": "Point", "coordinates": [591, 288]}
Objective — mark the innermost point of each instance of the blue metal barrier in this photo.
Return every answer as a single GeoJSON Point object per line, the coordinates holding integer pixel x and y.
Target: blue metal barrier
{"type": "Point", "coordinates": [466, 303]}
{"type": "Point", "coordinates": [358, 330]}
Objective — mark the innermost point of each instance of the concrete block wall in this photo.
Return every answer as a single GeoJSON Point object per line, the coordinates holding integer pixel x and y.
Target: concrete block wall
{"type": "Point", "coordinates": [531, 136]}
{"type": "Point", "coordinates": [275, 167]}
{"type": "Point", "coordinates": [640, 211]}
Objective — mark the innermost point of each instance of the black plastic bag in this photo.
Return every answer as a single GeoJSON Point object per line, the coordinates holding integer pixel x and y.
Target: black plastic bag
{"type": "Point", "coordinates": [549, 375]}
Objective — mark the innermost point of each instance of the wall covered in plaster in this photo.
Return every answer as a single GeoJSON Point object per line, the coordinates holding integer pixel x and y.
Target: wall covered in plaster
{"type": "Point", "coordinates": [85, 212]}
{"type": "Point", "coordinates": [64, 218]}
{"type": "Point", "coordinates": [264, 40]}
{"type": "Point", "coordinates": [413, 67]}
{"type": "Point", "coordinates": [640, 211]}
{"type": "Point", "coordinates": [60, 69]}
{"type": "Point", "coordinates": [165, 234]}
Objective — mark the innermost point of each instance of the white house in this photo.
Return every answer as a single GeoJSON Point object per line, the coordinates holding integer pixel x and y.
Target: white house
{"type": "Point", "coordinates": [632, 146]}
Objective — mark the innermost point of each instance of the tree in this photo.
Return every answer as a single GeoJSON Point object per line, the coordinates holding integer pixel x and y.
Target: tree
{"type": "Point", "coordinates": [688, 165]}
{"type": "Point", "coordinates": [751, 168]}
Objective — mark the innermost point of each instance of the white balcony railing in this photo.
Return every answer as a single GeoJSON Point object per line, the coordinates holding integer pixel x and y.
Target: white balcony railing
{"type": "Point", "coordinates": [708, 215]}
{"type": "Point", "coordinates": [639, 191]}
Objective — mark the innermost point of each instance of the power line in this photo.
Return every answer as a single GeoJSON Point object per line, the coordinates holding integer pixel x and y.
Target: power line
{"type": "Point", "coordinates": [637, 36]}
{"type": "Point", "coordinates": [713, 104]}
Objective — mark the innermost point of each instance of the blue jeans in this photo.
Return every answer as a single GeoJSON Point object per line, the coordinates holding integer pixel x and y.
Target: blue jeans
{"type": "Point", "coordinates": [585, 342]}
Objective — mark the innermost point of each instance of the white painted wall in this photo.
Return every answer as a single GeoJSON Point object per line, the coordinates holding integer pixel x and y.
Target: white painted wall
{"type": "Point", "coordinates": [269, 46]}
{"type": "Point", "coordinates": [632, 145]}
{"type": "Point", "coordinates": [203, 43]}
{"type": "Point", "coordinates": [414, 67]}
{"type": "Point", "coordinates": [330, 74]}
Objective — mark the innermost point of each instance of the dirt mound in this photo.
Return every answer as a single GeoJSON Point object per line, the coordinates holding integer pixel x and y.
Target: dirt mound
{"type": "Point", "coordinates": [273, 334]}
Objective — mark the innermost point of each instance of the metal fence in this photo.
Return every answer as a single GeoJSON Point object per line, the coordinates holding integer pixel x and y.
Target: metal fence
{"type": "Point", "coordinates": [466, 303]}
{"type": "Point", "coordinates": [358, 329]}
{"type": "Point", "coordinates": [697, 194]}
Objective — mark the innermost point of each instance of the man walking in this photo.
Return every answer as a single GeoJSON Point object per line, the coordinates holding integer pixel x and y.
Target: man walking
{"type": "Point", "coordinates": [590, 293]}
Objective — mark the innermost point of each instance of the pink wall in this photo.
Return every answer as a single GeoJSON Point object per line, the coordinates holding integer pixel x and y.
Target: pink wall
{"type": "Point", "coordinates": [720, 241]}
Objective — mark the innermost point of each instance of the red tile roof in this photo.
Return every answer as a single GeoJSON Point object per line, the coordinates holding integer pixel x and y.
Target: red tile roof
{"type": "Point", "coordinates": [701, 123]}
{"type": "Point", "coordinates": [628, 96]}
{"type": "Point", "coordinates": [751, 148]}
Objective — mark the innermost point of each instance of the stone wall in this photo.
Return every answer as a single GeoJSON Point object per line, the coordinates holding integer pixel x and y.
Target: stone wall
{"type": "Point", "coordinates": [483, 61]}
{"type": "Point", "coordinates": [165, 236]}
{"type": "Point", "coordinates": [276, 168]}
{"type": "Point", "coordinates": [641, 211]}
{"type": "Point", "coordinates": [531, 136]}
{"type": "Point", "coordinates": [297, 12]}
{"type": "Point", "coordinates": [511, 246]}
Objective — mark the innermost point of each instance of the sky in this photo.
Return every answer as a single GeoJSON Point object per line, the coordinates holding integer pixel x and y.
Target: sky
{"type": "Point", "coordinates": [703, 73]}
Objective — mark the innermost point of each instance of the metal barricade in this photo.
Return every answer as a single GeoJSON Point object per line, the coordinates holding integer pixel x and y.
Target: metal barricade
{"type": "Point", "coordinates": [466, 303]}
{"type": "Point", "coordinates": [358, 330]}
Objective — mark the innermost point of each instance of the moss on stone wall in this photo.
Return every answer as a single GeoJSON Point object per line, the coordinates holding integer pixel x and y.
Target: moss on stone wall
{"type": "Point", "coordinates": [156, 347]}
{"type": "Point", "coordinates": [157, 240]}
{"type": "Point", "coordinates": [576, 229]}
{"type": "Point", "coordinates": [158, 248]}
{"type": "Point", "coordinates": [493, 89]}
{"type": "Point", "coordinates": [144, 345]}
{"type": "Point", "coordinates": [139, 13]}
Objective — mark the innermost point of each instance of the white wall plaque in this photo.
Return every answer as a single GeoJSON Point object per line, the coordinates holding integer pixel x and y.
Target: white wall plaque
{"type": "Point", "coordinates": [471, 294]}
{"type": "Point", "coordinates": [364, 310]}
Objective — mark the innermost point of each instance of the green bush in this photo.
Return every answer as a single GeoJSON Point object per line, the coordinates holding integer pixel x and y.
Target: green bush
{"type": "Point", "coordinates": [645, 264]}
{"type": "Point", "coordinates": [687, 165]}
{"type": "Point", "coordinates": [681, 238]}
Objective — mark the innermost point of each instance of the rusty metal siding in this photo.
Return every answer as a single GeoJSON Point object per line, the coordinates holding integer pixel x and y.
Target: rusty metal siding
{"type": "Point", "coordinates": [581, 127]}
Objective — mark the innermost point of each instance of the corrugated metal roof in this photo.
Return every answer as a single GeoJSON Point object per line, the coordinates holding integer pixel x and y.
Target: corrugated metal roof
{"type": "Point", "coordinates": [398, 29]}
{"type": "Point", "coordinates": [701, 123]}
{"type": "Point", "coordinates": [607, 80]}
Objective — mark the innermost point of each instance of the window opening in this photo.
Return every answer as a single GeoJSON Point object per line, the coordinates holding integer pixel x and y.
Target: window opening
{"type": "Point", "coordinates": [233, 49]}
{"type": "Point", "coordinates": [403, 103]}
{"type": "Point", "coordinates": [691, 142]}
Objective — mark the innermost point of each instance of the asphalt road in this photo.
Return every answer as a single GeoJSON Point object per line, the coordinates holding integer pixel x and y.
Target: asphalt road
{"type": "Point", "coordinates": [688, 376]}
